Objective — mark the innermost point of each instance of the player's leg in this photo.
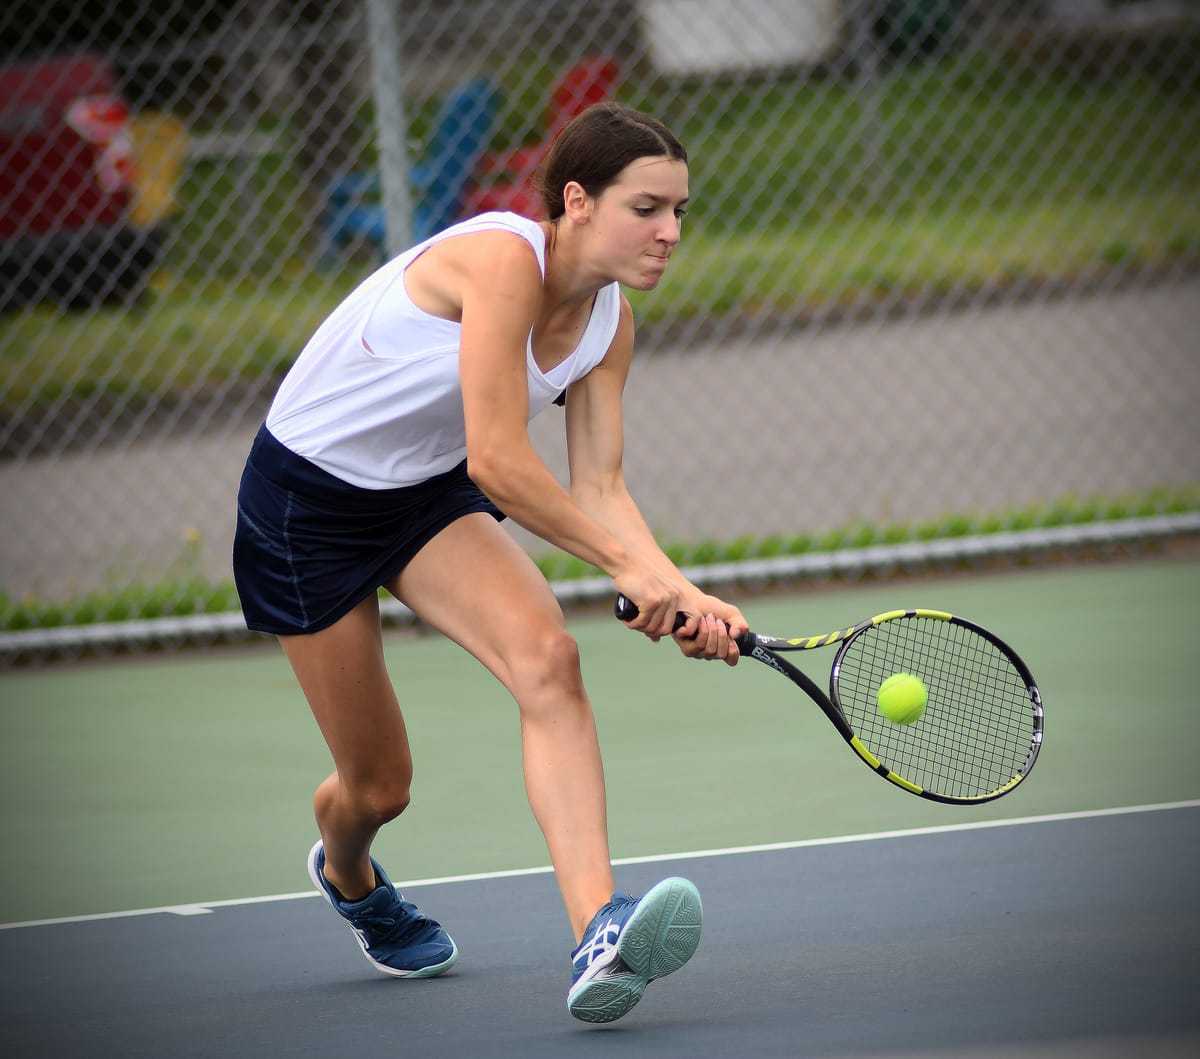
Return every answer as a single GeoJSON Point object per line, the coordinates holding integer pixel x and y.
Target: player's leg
{"type": "Point", "coordinates": [342, 674]}
{"type": "Point", "coordinates": [341, 671]}
{"type": "Point", "coordinates": [476, 585]}
{"type": "Point", "coordinates": [473, 583]}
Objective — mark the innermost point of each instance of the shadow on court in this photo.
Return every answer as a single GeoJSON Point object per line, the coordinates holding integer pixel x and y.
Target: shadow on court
{"type": "Point", "coordinates": [1060, 938]}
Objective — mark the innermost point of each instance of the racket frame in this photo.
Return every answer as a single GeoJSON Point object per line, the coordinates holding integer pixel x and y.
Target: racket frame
{"type": "Point", "coordinates": [766, 649]}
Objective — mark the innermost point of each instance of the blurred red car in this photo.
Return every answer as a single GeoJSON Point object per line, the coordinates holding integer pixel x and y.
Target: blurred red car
{"type": "Point", "coordinates": [67, 169]}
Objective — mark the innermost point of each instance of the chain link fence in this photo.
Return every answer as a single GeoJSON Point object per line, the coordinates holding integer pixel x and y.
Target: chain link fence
{"type": "Point", "coordinates": [939, 275]}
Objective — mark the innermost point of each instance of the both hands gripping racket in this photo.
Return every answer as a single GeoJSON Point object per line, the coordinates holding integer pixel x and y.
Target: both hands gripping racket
{"type": "Point", "coordinates": [982, 728]}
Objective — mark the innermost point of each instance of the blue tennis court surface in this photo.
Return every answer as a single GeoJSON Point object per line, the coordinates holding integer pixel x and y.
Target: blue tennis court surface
{"type": "Point", "coordinates": [1070, 936]}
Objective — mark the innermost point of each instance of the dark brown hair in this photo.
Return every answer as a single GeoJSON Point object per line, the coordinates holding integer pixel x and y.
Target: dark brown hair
{"type": "Point", "coordinates": [594, 148]}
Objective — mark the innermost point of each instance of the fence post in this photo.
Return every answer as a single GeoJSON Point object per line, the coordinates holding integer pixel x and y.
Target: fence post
{"type": "Point", "coordinates": [391, 122]}
{"type": "Point", "coordinates": [861, 16]}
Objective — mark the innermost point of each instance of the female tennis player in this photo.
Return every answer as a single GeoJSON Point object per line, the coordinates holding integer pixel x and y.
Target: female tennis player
{"type": "Point", "coordinates": [394, 447]}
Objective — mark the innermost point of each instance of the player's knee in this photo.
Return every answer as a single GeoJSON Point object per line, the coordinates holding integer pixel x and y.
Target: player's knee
{"type": "Point", "coordinates": [382, 800]}
{"type": "Point", "coordinates": [559, 657]}
{"type": "Point", "coordinates": [389, 803]}
{"type": "Point", "coordinates": [550, 669]}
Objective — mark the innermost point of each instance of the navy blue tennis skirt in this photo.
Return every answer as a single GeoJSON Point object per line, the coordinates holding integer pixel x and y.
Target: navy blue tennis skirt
{"type": "Point", "coordinates": [310, 547]}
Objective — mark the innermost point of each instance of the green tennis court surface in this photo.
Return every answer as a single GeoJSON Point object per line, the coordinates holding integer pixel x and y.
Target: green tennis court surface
{"type": "Point", "coordinates": [187, 779]}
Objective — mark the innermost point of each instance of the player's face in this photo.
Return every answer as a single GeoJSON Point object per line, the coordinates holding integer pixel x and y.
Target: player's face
{"type": "Point", "coordinates": [635, 221]}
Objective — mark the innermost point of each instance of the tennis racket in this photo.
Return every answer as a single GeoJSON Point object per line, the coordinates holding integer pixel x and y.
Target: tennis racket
{"type": "Point", "coordinates": [982, 728]}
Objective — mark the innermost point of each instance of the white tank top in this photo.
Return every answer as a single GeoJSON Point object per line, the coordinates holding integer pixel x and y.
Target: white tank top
{"type": "Point", "coordinates": [375, 397]}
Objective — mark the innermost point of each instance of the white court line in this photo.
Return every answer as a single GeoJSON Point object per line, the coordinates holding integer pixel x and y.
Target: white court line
{"type": "Point", "coordinates": [203, 908]}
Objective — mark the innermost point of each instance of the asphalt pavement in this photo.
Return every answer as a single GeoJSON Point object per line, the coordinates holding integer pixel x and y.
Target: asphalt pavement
{"type": "Point", "coordinates": [806, 429]}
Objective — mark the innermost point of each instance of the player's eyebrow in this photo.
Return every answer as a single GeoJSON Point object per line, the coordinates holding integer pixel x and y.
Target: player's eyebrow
{"type": "Point", "coordinates": [663, 199]}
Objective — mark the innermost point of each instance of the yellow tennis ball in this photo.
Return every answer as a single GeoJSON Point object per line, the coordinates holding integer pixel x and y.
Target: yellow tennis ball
{"type": "Point", "coordinates": [902, 698]}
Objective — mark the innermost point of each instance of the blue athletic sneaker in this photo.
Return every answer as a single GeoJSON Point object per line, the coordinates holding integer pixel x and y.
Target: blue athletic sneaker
{"type": "Point", "coordinates": [394, 934]}
{"type": "Point", "coordinates": [628, 944]}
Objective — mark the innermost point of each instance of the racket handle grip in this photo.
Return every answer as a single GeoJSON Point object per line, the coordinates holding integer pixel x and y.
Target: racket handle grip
{"type": "Point", "coordinates": [626, 610]}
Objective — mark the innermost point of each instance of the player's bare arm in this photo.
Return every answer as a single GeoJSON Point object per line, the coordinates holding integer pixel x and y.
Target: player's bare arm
{"type": "Point", "coordinates": [492, 283]}
{"type": "Point", "coordinates": [595, 447]}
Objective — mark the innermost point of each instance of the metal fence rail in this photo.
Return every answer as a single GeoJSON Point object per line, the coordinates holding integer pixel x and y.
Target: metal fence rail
{"type": "Point", "coordinates": [1127, 536]}
{"type": "Point", "coordinates": [941, 260]}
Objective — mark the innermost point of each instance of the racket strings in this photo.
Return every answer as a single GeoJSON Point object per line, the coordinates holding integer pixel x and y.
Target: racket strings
{"type": "Point", "coordinates": [979, 726]}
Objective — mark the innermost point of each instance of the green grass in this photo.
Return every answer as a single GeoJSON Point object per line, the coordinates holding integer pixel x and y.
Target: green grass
{"type": "Point", "coordinates": [966, 134]}
{"type": "Point", "coordinates": [192, 336]}
{"type": "Point", "coordinates": [1065, 511]}
{"type": "Point", "coordinates": [186, 337]}
{"type": "Point", "coordinates": [956, 176]}
{"type": "Point", "coordinates": [952, 178]}
{"type": "Point", "coordinates": [926, 253]}
{"type": "Point", "coordinates": [182, 592]}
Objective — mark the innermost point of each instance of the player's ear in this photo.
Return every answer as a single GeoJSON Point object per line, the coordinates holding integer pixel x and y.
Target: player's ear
{"type": "Point", "coordinates": [577, 203]}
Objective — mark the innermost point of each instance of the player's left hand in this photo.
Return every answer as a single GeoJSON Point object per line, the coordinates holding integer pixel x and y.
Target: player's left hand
{"type": "Point", "coordinates": [713, 636]}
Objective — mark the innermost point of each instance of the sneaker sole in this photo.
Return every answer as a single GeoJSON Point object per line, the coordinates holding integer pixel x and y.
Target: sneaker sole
{"type": "Point", "coordinates": [660, 937]}
{"type": "Point", "coordinates": [664, 932]}
{"type": "Point", "coordinates": [607, 999]}
{"type": "Point", "coordinates": [421, 972]}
